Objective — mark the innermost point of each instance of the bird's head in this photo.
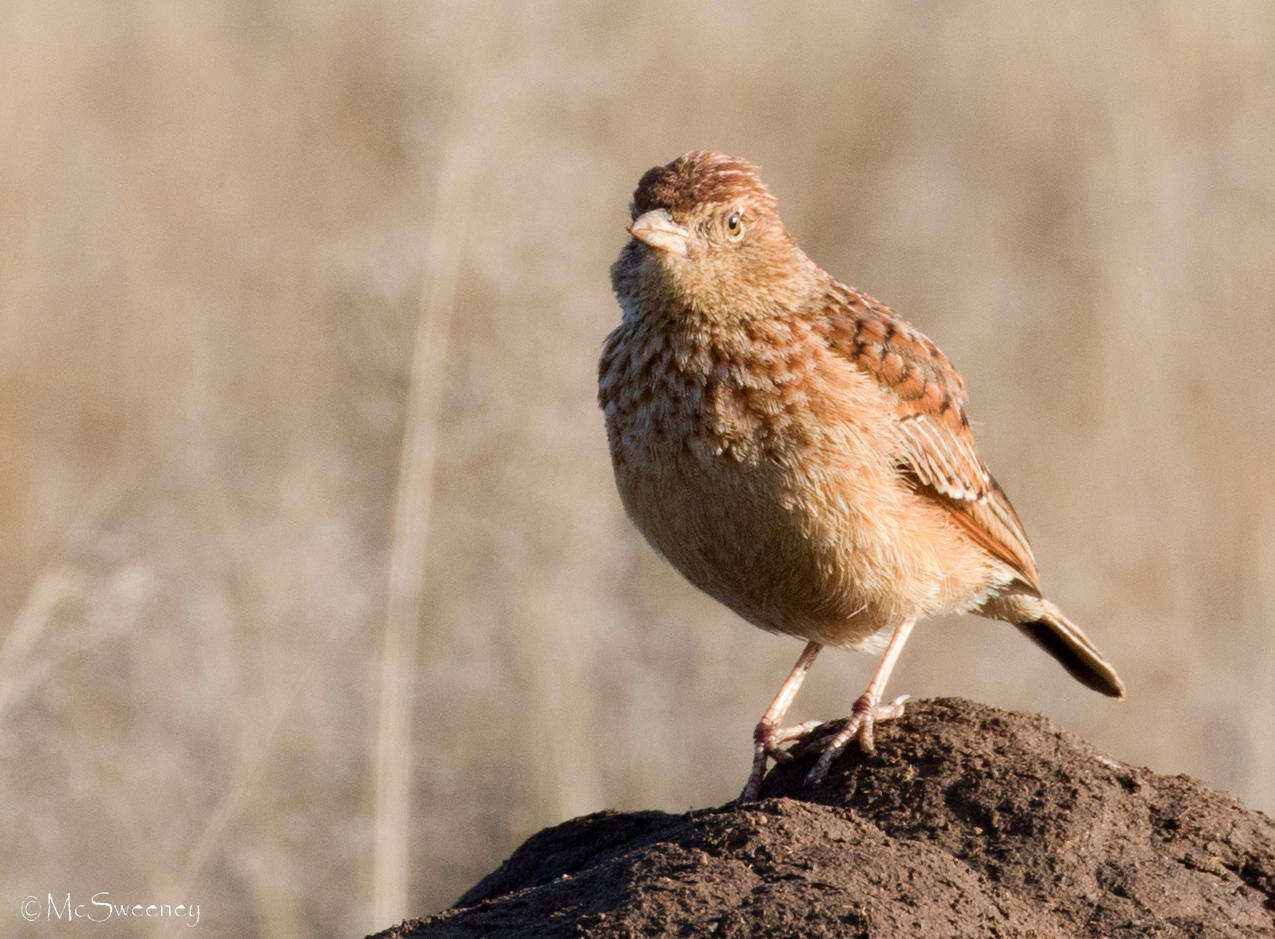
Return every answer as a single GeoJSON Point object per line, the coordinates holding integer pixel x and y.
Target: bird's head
{"type": "Point", "coordinates": [707, 240]}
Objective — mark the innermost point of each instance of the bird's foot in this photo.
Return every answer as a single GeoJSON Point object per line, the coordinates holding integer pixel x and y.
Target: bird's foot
{"type": "Point", "coordinates": [860, 727]}
{"type": "Point", "coordinates": [767, 741]}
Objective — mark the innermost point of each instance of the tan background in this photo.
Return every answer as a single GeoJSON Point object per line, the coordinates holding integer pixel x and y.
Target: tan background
{"type": "Point", "coordinates": [217, 223]}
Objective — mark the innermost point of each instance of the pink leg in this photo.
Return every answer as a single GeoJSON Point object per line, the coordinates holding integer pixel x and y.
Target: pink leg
{"type": "Point", "coordinates": [769, 735]}
{"type": "Point", "coordinates": [867, 710]}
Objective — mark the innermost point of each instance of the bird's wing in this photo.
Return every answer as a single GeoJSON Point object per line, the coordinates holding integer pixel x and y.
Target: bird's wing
{"type": "Point", "coordinates": [935, 445]}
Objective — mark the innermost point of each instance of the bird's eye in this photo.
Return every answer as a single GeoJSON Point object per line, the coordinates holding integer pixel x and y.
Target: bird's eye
{"type": "Point", "coordinates": [735, 227]}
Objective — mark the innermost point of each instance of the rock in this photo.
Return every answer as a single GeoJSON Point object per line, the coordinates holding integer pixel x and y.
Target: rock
{"type": "Point", "coordinates": [967, 821]}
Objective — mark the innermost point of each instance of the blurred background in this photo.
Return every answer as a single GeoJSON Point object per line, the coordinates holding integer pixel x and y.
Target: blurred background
{"type": "Point", "coordinates": [316, 594]}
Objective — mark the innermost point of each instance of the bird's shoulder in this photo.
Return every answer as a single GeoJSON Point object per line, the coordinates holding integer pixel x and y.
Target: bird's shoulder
{"type": "Point", "coordinates": [916, 375]}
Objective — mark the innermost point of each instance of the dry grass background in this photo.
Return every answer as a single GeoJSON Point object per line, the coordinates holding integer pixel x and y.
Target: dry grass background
{"type": "Point", "coordinates": [224, 230]}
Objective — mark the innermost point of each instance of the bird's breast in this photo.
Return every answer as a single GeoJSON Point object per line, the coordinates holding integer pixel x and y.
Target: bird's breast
{"type": "Point", "coordinates": [729, 460]}
{"type": "Point", "coordinates": [743, 394]}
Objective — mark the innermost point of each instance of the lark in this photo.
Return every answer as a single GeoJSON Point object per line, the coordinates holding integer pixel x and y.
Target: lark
{"type": "Point", "coordinates": [800, 452]}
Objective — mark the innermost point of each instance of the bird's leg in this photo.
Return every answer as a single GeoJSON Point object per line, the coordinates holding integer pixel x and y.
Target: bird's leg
{"type": "Point", "coordinates": [867, 710]}
{"type": "Point", "coordinates": [769, 735]}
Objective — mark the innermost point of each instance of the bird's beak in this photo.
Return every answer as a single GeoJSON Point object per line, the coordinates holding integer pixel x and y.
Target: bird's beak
{"type": "Point", "coordinates": [657, 229]}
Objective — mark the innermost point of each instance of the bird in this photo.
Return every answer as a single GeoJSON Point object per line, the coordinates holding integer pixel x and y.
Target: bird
{"type": "Point", "coordinates": [800, 452]}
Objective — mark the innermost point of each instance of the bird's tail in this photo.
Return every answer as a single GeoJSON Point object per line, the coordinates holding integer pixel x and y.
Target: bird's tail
{"type": "Point", "coordinates": [1046, 625]}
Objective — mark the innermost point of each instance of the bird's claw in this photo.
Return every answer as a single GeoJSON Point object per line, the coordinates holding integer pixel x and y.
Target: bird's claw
{"type": "Point", "coordinates": [859, 728]}
{"type": "Point", "coordinates": [768, 742]}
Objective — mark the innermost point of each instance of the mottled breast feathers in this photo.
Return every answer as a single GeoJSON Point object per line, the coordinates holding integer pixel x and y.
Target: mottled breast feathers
{"type": "Point", "coordinates": [936, 450]}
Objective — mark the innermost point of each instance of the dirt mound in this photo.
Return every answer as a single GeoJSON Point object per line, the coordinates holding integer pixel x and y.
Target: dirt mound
{"type": "Point", "coordinates": [966, 821]}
